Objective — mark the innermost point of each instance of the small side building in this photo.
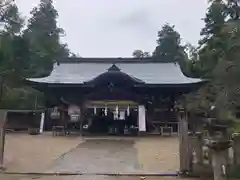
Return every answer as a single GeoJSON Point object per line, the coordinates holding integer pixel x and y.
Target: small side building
{"type": "Point", "coordinates": [114, 93]}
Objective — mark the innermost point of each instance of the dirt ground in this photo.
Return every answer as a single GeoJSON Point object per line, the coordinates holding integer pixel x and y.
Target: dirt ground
{"type": "Point", "coordinates": [90, 178]}
{"type": "Point", "coordinates": [158, 154]}
{"type": "Point", "coordinates": [26, 153]}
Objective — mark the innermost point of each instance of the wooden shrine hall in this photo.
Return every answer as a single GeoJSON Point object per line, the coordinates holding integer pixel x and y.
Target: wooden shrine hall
{"type": "Point", "coordinates": [113, 95]}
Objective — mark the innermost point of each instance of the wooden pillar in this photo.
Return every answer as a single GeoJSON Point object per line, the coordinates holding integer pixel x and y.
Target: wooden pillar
{"type": "Point", "coordinates": [82, 117]}
{"type": "Point", "coordinates": [42, 122]}
{"type": "Point", "coordinates": [183, 141]}
{"type": "Point", "coordinates": [141, 119]}
{"type": "Point", "coordinates": [3, 119]}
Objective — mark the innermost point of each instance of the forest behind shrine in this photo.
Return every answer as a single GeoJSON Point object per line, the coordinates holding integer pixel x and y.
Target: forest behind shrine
{"type": "Point", "coordinates": [29, 48]}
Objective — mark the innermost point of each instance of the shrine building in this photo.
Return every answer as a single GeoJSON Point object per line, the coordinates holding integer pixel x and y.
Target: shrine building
{"type": "Point", "coordinates": [114, 95]}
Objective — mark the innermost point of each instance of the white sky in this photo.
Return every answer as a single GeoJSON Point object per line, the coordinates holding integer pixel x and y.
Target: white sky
{"type": "Point", "coordinates": [114, 28]}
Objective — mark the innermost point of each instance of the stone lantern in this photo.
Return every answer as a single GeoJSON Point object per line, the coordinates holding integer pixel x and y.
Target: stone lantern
{"type": "Point", "coordinates": [236, 148]}
{"type": "Point", "coordinates": [219, 143]}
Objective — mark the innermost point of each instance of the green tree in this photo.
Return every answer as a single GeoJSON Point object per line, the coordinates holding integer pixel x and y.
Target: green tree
{"type": "Point", "coordinates": [212, 44]}
{"type": "Point", "coordinates": [205, 60]}
{"type": "Point", "coordinates": [169, 46]}
{"type": "Point", "coordinates": [219, 58]}
{"type": "Point", "coordinates": [140, 54]}
{"type": "Point", "coordinates": [44, 38]}
{"type": "Point", "coordinates": [233, 9]}
{"type": "Point", "coordinates": [14, 60]}
{"type": "Point", "coordinates": [4, 6]}
{"type": "Point", "coordinates": [14, 53]}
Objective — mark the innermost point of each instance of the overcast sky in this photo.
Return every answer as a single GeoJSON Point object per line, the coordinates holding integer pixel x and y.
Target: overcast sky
{"type": "Point", "coordinates": [114, 28]}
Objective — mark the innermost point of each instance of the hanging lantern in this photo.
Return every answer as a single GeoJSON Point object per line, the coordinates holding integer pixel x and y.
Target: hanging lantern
{"type": "Point", "coordinates": [55, 114]}
{"type": "Point", "coordinates": [74, 113]}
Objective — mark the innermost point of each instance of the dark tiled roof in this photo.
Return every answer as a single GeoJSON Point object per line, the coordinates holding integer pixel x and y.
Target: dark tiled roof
{"type": "Point", "coordinates": [148, 70]}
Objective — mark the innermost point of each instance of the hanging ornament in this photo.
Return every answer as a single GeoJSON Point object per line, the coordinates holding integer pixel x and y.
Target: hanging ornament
{"type": "Point", "coordinates": [105, 110]}
{"type": "Point", "coordinates": [128, 110]}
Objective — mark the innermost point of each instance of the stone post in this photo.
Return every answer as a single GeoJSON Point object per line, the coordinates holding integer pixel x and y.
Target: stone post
{"type": "Point", "coordinates": [219, 144]}
{"type": "Point", "coordinates": [183, 142]}
{"type": "Point", "coordinates": [236, 149]}
{"type": "Point", "coordinates": [198, 145]}
{"type": "Point", "coordinates": [190, 151]}
{"type": "Point", "coordinates": [3, 118]}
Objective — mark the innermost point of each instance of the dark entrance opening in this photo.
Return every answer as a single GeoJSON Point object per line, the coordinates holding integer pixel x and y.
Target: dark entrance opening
{"type": "Point", "coordinates": [111, 120]}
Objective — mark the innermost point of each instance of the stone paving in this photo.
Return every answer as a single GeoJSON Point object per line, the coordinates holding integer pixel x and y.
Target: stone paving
{"type": "Point", "coordinates": [100, 156]}
{"type": "Point", "coordinates": [139, 155]}
{"type": "Point", "coordinates": [90, 155]}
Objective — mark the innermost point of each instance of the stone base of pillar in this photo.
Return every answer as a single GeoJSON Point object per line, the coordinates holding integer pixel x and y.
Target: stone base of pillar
{"type": "Point", "coordinates": [142, 133]}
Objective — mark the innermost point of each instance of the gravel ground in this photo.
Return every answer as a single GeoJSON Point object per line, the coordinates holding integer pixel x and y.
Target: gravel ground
{"type": "Point", "coordinates": [137, 155]}
{"type": "Point", "coordinates": [26, 153]}
{"type": "Point", "coordinates": [8, 177]}
{"type": "Point", "coordinates": [46, 153]}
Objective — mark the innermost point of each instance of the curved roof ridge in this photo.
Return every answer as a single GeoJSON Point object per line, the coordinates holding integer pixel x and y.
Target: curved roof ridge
{"type": "Point", "coordinates": [150, 73]}
{"type": "Point", "coordinates": [120, 73]}
{"type": "Point", "coordinates": [111, 60]}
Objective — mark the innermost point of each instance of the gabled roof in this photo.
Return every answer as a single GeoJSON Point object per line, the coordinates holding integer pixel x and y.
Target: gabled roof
{"type": "Point", "coordinates": [115, 73]}
{"type": "Point", "coordinates": [149, 71]}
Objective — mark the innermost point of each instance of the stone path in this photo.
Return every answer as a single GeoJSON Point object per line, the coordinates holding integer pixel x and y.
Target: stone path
{"type": "Point", "coordinates": [90, 155]}
{"type": "Point", "coordinates": [100, 156]}
{"type": "Point", "coordinates": [122, 156]}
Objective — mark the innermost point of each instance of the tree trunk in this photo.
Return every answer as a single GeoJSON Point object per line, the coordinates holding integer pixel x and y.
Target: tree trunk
{"type": "Point", "coordinates": [3, 114]}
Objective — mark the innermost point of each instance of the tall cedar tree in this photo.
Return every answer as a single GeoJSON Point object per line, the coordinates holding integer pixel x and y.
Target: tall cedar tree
{"type": "Point", "coordinates": [169, 48]}
{"type": "Point", "coordinates": [44, 37]}
{"type": "Point", "coordinates": [210, 52]}
{"type": "Point", "coordinates": [14, 60]}
{"type": "Point", "coordinates": [168, 44]}
{"type": "Point", "coordinates": [219, 58]}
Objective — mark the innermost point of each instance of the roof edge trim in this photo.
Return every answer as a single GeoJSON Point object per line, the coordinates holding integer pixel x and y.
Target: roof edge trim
{"type": "Point", "coordinates": [112, 60]}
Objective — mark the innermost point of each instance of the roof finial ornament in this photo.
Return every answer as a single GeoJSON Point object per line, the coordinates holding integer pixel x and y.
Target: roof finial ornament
{"type": "Point", "coordinates": [114, 68]}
